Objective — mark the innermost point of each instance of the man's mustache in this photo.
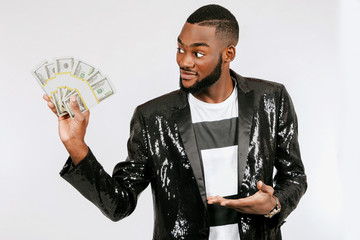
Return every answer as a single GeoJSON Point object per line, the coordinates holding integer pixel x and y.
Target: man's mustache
{"type": "Point", "coordinates": [188, 70]}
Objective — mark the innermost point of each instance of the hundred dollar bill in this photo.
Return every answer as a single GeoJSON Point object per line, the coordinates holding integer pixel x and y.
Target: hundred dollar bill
{"type": "Point", "coordinates": [63, 91]}
{"type": "Point", "coordinates": [40, 73]}
{"type": "Point", "coordinates": [95, 77]}
{"type": "Point", "coordinates": [60, 108]}
{"type": "Point", "coordinates": [64, 64]}
{"type": "Point", "coordinates": [50, 70]}
{"type": "Point", "coordinates": [66, 94]}
{"type": "Point", "coordinates": [103, 89]}
{"type": "Point", "coordinates": [79, 100]}
{"type": "Point", "coordinates": [82, 70]}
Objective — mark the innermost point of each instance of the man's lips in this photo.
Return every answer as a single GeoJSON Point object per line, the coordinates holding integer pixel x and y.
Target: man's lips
{"type": "Point", "coordinates": [187, 75]}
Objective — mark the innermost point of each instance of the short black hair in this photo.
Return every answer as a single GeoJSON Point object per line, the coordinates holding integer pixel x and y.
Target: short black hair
{"type": "Point", "coordinates": [222, 19]}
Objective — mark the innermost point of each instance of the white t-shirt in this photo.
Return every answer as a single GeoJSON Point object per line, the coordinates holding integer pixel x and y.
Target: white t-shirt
{"type": "Point", "coordinates": [215, 126]}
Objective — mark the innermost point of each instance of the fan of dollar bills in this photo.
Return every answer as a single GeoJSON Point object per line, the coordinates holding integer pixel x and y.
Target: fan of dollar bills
{"type": "Point", "coordinates": [66, 77]}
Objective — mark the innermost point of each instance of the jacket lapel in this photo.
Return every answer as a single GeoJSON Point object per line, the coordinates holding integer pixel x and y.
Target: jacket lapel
{"type": "Point", "coordinates": [187, 134]}
{"type": "Point", "coordinates": [244, 129]}
{"type": "Point", "coordinates": [245, 104]}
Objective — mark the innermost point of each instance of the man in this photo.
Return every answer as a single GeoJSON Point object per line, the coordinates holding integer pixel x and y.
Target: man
{"type": "Point", "coordinates": [208, 150]}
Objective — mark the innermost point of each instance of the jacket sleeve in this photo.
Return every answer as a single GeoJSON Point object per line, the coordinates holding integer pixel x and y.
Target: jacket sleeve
{"type": "Point", "coordinates": [116, 195]}
{"type": "Point", "coordinates": [290, 179]}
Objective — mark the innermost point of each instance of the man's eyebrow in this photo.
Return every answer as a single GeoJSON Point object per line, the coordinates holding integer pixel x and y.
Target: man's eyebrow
{"type": "Point", "coordinates": [193, 44]}
{"type": "Point", "coordinates": [199, 44]}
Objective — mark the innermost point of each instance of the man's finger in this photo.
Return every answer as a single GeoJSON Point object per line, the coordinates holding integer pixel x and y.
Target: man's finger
{"type": "Point", "coordinates": [237, 203]}
{"type": "Point", "coordinates": [265, 188]}
{"type": "Point", "coordinates": [52, 107]}
{"type": "Point", "coordinates": [231, 203]}
{"type": "Point", "coordinates": [215, 199]}
{"type": "Point", "coordinates": [50, 104]}
{"type": "Point", "coordinates": [86, 114]}
{"type": "Point", "coordinates": [46, 98]}
{"type": "Point", "coordinates": [74, 105]}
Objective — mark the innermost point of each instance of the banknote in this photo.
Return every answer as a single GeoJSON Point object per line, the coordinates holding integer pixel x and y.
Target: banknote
{"type": "Point", "coordinates": [50, 70]}
{"type": "Point", "coordinates": [64, 65]}
{"type": "Point", "coordinates": [79, 99]}
{"type": "Point", "coordinates": [82, 70]}
{"type": "Point", "coordinates": [67, 76]}
{"type": "Point", "coordinates": [40, 73]}
{"type": "Point", "coordinates": [103, 89]}
{"type": "Point", "coordinates": [97, 76]}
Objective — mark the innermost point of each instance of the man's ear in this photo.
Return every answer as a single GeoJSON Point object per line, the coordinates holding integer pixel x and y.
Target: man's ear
{"type": "Point", "coordinates": [229, 54]}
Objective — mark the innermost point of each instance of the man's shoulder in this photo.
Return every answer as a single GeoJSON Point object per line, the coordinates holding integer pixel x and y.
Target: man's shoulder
{"type": "Point", "coordinates": [256, 84]}
{"type": "Point", "coordinates": [164, 103]}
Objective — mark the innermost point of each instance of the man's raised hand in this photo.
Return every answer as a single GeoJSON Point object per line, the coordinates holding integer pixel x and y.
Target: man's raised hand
{"type": "Point", "coordinates": [72, 130]}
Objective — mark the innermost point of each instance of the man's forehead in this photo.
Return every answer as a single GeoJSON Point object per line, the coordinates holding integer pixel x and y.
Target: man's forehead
{"type": "Point", "coordinates": [196, 34]}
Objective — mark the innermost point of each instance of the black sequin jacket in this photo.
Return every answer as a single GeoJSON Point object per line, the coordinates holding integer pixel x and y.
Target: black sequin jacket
{"type": "Point", "coordinates": [162, 151]}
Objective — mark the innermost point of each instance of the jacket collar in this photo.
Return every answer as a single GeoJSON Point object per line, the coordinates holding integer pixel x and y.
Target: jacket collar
{"type": "Point", "coordinates": [242, 84]}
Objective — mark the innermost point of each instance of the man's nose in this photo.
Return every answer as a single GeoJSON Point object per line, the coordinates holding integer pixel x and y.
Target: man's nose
{"type": "Point", "coordinates": [186, 61]}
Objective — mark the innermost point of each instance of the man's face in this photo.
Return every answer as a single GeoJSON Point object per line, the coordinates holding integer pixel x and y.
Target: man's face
{"type": "Point", "coordinates": [199, 57]}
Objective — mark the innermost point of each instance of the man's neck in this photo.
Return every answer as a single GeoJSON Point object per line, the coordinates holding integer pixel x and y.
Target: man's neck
{"type": "Point", "coordinates": [219, 91]}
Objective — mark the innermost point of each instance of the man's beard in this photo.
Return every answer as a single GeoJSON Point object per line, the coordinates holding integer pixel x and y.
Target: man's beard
{"type": "Point", "coordinates": [201, 85]}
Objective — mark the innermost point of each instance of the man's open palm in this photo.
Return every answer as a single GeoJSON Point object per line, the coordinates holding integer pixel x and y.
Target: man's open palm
{"type": "Point", "coordinates": [262, 202]}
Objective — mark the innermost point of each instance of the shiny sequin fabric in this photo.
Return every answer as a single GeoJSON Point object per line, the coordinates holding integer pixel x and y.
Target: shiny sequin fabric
{"type": "Point", "coordinates": [162, 152]}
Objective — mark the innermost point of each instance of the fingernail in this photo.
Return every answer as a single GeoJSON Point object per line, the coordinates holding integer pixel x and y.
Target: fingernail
{"type": "Point", "coordinates": [73, 99]}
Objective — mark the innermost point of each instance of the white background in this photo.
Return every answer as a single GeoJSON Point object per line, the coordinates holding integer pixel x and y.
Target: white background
{"type": "Point", "coordinates": [312, 46]}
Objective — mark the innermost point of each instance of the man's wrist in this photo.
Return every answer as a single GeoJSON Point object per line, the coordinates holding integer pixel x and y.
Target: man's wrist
{"type": "Point", "coordinates": [77, 150]}
{"type": "Point", "coordinates": [275, 210]}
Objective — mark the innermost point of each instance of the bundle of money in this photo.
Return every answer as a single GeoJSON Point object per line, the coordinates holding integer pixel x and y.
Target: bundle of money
{"type": "Point", "coordinates": [66, 77]}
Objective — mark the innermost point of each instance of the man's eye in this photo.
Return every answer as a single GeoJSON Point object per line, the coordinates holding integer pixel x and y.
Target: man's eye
{"type": "Point", "coordinates": [180, 50]}
{"type": "Point", "coordinates": [199, 55]}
